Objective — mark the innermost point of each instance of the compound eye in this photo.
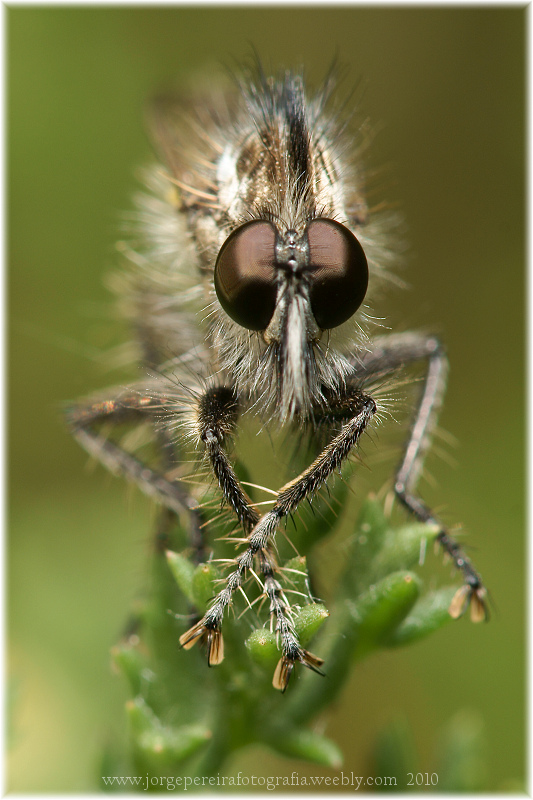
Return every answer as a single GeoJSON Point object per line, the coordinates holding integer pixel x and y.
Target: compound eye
{"type": "Point", "coordinates": [246, 275]}
{"type": "Point", "coordinates": [338, 272]}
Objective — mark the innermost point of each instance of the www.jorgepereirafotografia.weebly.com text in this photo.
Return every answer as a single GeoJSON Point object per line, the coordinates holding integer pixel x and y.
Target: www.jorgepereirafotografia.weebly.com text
{"type": "Point", "coordinates": [270, 783]}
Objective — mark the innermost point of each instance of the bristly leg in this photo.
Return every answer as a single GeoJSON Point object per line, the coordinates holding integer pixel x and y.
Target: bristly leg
{"type": "Point", "coordinates": [260, 539]}
{"type": "Point", "coordinates": [291, 648]}
{"type": "Point", "coordinates": [216, 419]}
{"type": "Point", "coordinates": [390, 353]}
{"type": "Point", "coordinates": [130, 407]}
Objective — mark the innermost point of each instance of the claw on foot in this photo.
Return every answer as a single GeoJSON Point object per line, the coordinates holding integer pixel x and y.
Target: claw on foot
{"type": "Point", "coordinates": [212, 637]}
{"type": "Point", "coordinates": [286, 665]}
{"type": "Point", "coordinates": [473, 596]}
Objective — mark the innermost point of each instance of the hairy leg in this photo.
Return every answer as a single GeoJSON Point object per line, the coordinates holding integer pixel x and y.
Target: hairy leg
{"type": "Point", "coordinates": [260, 539]}
{"type": "Point", "coordinates": [388, 354]}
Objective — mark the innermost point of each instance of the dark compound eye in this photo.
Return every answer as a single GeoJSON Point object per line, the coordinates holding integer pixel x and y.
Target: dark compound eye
{"type": "Point", "coordinates": [338, 273]}
{"type": "Point", "coordinates": [245, 275]}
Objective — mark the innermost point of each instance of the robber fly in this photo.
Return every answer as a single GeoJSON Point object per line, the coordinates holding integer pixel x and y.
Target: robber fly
{"type": "Point", "coordinates": [248, 293]}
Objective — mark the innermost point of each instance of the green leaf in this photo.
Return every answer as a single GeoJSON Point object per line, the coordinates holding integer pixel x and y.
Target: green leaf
{"type": "Point", "coordinates": [183, 571]}
{"type": "Point", "coordinates": [428, 615]}
{"type": "Point", "coordinates": [306, 744]}
{"type": "Point", "coordinates": [203, 580]}
{"type": "Point", "coordinates": [160, 745]}
{"type": "Point", "coordinates": [308, 621]}
{"type": "Point", "coordinates": [130, 662]}
{"type": "Point", "coordinates": [383, 607]}
{"type": "Point", "coordinates": [263, 647]}
{"type": "Point", "coordinates": [402, 548]}
{"type": "Point", "coordinates": [296, 575]}
{"type": "Point", "coordinates": [362, 547]}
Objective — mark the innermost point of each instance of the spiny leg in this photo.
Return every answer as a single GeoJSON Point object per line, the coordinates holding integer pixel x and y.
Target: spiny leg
{"type": "Point", "coordinates": [390, 353]}
{"type": "Point", "coordinates": [129, 407]}
{"type": "Point", "coordinates": [217, 415]}
{"type": "Point", "coordinates": [280, 613]}
{"type": "Point", "coordinates": [260, 539]}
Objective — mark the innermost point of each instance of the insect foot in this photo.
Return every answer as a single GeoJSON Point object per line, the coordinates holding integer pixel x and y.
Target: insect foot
{"type": "Point", "coordinates": [288, 626]}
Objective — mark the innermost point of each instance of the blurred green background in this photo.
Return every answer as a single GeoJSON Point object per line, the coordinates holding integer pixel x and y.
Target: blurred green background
{"type": "Point", "coordinates": [445, 88]}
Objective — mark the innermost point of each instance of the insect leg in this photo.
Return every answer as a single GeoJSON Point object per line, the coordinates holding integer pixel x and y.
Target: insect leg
{"type": "Point", "coordinates": [217, 412]}
{"type": "Point", "coordinates": [261, 536]}
{"type": "Point", "coordinates": [125, 407]}
{"type": "Point", "coordinates": [389, 353]}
